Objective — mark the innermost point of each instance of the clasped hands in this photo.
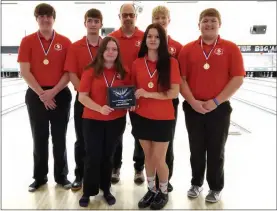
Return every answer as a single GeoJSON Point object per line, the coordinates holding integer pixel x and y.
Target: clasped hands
{"type": "Point", "coordinates": [203, 107]}
{"type": "Point", "coordinates": [47, 97]}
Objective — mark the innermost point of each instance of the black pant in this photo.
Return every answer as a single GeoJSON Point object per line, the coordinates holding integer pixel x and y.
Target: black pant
{"type": "Point", "coordinates": [100, 138]}
{"type": "Point", "coordinates": [39, 121]}
{"type": "Point", "coordinates": [79, 148]}
{"type": "Point", "coordinates": [117, 160]}
{"type": "Point", "coordinates": [139, 154]}
{"type": "Point", "coordinates": [208, 134]}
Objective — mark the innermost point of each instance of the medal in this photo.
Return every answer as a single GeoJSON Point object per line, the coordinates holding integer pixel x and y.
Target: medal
{"type": "Point", "coordinates": [150, 84]}
{"type": "Point", "coordinates": [206, 66]}
{"type": "Point", "coordinates": [46, 61]}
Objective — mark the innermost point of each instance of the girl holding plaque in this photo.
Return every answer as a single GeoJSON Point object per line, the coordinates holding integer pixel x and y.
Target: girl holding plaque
{"type": "Point", "coordinates": [156, 76]}
{"type": "Point", "coordinates": [102, 125]}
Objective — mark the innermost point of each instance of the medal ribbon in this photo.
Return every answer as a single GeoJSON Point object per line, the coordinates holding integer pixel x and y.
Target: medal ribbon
{"type": "Point", "coordinates": [44, 51]}
{"type": "Point", "coordinates": [109, 85]}
{"type": "Point", "coordinates": [91, 56]}
{"type": "Point", "coordinates": [151, 75]}
{"type": "Point", "coordinates": [207, 57]}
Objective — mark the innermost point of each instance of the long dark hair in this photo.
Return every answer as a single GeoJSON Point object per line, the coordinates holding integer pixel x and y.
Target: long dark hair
{"type": "Point", "coordinates": [98, 62]}
{"type": "Point", "coordinates": [163, 63]}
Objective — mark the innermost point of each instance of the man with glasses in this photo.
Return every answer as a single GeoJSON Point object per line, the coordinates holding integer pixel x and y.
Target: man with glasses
{"type": "Point", "coordinates": [129, 38]}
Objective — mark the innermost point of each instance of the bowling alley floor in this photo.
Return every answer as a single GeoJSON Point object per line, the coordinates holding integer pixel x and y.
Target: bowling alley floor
{"type": "Point", "coordinates": [250, 167]}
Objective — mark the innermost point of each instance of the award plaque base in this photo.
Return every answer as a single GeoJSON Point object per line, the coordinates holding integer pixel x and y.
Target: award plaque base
{"type": "Point", "coordinates": [121, 97]}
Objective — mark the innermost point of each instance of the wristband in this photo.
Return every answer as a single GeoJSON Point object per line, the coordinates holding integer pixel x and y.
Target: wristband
{"type": "Point", "coordinates": [215, 101]}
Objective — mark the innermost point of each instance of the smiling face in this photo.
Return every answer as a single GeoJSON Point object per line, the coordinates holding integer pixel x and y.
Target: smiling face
{"type": "Point", "coordinates": [209, 27]}
{"type": "Point", "coordinates": [93, 25]}
{"type": "Point", "coordinates": [209, 24]}
{"type": "Point", "coordinates": [128, 16]}
{"type": "Point", "coordinates": [152, 39]}
{"type": "Point", "coordinates": [111, 52]}
{"type": "Point", "coordinates": [161, 15]}
{"type": "Point", "coordinates": [45, 22]}
{"type": "Point", "coordinates": [161, 19]}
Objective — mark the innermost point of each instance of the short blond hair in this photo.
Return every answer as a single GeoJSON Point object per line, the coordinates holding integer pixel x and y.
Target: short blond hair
{"type": "Point", "coordinates": [210, 12]}
{"type": "Point", "coordinates": [160, 10]}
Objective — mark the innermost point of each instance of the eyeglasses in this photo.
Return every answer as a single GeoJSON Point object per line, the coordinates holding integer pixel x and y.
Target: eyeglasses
{"type": "Point", "coordinates": [131, 15]}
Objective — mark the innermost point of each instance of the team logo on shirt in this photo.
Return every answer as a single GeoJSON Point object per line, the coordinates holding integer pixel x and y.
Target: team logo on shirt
{"type": "Point", "coordinates": [138, 42]}
{"type": "Point", "coordinates": [58, 47]}
{"type": "Point", "coordinates": [172, 51]}
{"type": "Point", "coordinates": [218, 51]}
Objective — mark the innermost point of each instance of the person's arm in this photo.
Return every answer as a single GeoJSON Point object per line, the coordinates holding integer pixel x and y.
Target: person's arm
{"type": "Point", "coordinates": [29, 78]}
{"type": "Point", "coordinates": [74, 79]}
{"type": "Point", "coordinates": [172, 93]}
{"type": "Point", "coordinates": [185, 91]}
{"type": "Point", "coordinates": [174, 89]}
{"type": "Point", "coordinates": [236, 73]}
{"type": "Point", "coordinates": [51, 93]}
{"type": "Point", "coordinates": [85, 99]}
{"type": "Point", "coordinates": [230, 89]}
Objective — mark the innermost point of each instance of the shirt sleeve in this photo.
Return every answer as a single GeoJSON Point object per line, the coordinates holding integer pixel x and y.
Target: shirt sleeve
{"type": "Point", "coordinates": [237, 65]}
{"type": "Point", "coordinates": [86, 80]}
{"type": "Point", "coordinates": [183, 61]}
{"type": "Point", "coordinates": [24, 52]}
{"type": "Point", "coordinates": [71, 64]}
{"type": "Point", "coordinates": [178, 49]}
{"type": "Point", "coordinates": [175, 77]}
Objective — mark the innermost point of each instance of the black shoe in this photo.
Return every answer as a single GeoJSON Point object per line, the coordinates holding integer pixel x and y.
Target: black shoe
{"type": "Point", "coordinates": [110, 199]}
{"type": "Point", "coordinates": [147, 199]}
{"type": "Point", "coordinates": [115, 176]}
{"type": "Point", "coordinates": [159, 201]}
{"type": "Point", "coordinates": [84, 200]}
{"type": "Point", "coordinates": [169, 187]}
{"type": "Point", "coordinates": [65, 183]}
{"type": "Point", "coordinates": [77, 184]}
{"type": "Point", "coordinates": [36, 184]}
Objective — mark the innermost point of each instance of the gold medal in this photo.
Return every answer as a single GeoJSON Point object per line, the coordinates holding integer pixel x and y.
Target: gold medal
{"type": "Point", "coordinates": [150, 85]}
{"type": "Point", "coordinates": [45, 61]}
{"type": "Point", "coordinates": [206, 66]}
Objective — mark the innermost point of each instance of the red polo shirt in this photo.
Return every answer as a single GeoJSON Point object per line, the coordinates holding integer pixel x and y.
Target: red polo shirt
{"type": "Point", "coordinates": [129, 46]}
{"type": "Point", "coordinates": [31, 51]}
{"type": "Point", "coordinates": [148, 107]}
{"type": "Point", "coordinates": [79, 56]}
{"type": "Point", "coordinates": [97, 88]}
{"type": "Point", "coordinates": [225, 62]}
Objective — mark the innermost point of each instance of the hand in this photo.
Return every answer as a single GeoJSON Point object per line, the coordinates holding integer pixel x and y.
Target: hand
{"type": "Point", "coordinates": [142, 93]}
{"type": "Point", "coordinates": [47, 95]}
{"type": "Point", "coordinates": [210, 105]}
{"type": "Point", "coordinates": [106, 110]}
{"type": "Point", "coordinates": [50, 104]}
{"type": "Point", "coordinates": [198, 106]}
